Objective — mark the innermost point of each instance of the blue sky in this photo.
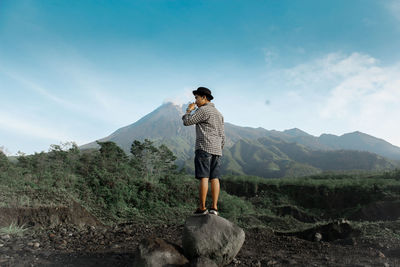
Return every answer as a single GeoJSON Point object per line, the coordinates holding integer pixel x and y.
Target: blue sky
{"type": "Point", "coordinates": [79, 70]}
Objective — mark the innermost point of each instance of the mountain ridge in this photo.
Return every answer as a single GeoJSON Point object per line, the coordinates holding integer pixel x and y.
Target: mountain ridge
{"type": "Point", "coordinates": [164, 126]}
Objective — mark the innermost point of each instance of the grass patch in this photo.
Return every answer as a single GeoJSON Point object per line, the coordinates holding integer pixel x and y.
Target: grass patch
{"type": "Point", "coordinates": [13, 229]}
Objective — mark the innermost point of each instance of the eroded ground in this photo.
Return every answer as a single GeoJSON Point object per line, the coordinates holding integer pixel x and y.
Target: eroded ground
{"type": "Point", "coordinates": [69, 245]}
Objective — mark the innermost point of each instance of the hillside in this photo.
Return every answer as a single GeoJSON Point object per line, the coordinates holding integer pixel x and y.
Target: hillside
{"type": "Point", "coordinates": [257, 151]}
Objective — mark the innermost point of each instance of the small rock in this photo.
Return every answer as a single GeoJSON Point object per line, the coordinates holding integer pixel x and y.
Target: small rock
{"type": "Point", "coordinates": [1, 245]}
{"type": "Point", "coordinates": [317, 237]}
{"type": "Point", "coordinates": [271, 262]}
{"type": "Point", "coordinates": [235, 261]}
{"type": "Point", "coordinates": [381, 255]}
{"type": "Point", "coordinates": [17, 246]}
{"type": "Point", "coordinates": [5, 237]}
{"type": "Point", "coordinates": [36, 244]}
{"type": "Point", "coordinates": [30, 244]}
{"type": "Point", "coordinates": [46, 254]}
{"type": "Point", "coordinates": [52, 236]}
{"type": "Point", "coordinates": [386, 264]}
{"type": "Point", "coordinates": [115, 246]}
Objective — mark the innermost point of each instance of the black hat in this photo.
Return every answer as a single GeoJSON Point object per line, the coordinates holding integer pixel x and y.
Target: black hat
{"type": "Point", "coordinates": [203, 91]}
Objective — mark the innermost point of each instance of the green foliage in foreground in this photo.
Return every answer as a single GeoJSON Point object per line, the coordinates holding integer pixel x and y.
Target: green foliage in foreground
{"type": "Point", "coordinates": [145, 186]}
{"type": "Point", "coordinates": [13, 229]}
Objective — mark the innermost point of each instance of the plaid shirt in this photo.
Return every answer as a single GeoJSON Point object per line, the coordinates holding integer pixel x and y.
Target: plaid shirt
{"type": "Point", "coordinates": [210, 135]}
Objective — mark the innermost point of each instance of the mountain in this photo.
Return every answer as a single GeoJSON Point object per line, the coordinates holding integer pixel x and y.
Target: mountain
{"type": "Point", "coordinates": [361, 141]}
{"type": "Point", "coordinates": [258, 151]}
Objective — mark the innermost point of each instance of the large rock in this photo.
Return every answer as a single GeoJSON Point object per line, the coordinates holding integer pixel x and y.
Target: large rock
{"type": "Point", "coordinates": [212, 237]}
{"type": "Point", "coordinates": [203, 262]}
{"type": "Point", "coordinates": [158, 253]}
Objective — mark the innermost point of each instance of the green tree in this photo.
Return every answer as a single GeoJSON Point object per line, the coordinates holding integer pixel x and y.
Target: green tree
{"type": "Point", "coordinates": [152, 162]}
{"type": "Point", "coordinates": [4, 163]}
{"type": "Point", "coordinates": [144, 157]}
{"type": "Point", "coordinates": [112, 157]}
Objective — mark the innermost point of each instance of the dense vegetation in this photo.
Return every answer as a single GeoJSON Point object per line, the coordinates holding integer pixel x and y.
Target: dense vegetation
{"type": "Point", "coordinates": [146, 186]}
{"type": "Point", "coordinates": [113, 185]}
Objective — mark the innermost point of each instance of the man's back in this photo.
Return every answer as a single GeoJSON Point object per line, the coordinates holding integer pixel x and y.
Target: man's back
{"type": "Point", "coordinates": [210, 135]}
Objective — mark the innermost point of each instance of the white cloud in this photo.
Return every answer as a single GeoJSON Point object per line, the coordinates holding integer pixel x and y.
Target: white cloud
{"type": "Point", "coordinates": [341, 93]}
{"type": "Point", "coordinates": [328, 69]}
{"type": "Point", "coordinates": [182, 98]}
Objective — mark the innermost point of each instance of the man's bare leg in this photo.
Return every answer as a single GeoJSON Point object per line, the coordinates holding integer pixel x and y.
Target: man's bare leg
{"type": "Point", "coordinates": [215, 192]}
{"type": "Point", "coordinates": [203, 189]}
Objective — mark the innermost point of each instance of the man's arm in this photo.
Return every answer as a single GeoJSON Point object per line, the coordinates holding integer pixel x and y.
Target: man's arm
{"type": "Point", "coordinates": [223, 135]}
{"type": "Point", "coordinates": [198, 116]}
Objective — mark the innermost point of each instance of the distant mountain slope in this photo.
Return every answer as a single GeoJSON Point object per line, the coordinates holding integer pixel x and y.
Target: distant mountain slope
{"type": "Point", "coordinates": [269, 157]}
{"type": "Point", "coordinates": [361, 141]}
{"type": "Point", "coordinates": [351, 141]}
{"type": "Point", "coordinates": [257, 150]}
{"type": "Point", "coordinates": [163, 126]}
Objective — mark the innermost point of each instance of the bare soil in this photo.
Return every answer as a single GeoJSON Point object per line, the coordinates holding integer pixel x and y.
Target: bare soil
{"type": "Point", "coordinates": [82, 241]}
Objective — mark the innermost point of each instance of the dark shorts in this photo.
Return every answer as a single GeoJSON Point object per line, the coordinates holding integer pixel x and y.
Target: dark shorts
{"type": "Point", "coordinates": [206, 165]}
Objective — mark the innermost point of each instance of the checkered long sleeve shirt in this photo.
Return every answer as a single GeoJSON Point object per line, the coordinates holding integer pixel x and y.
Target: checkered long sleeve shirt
{"type": "Point", "coordinates": [210, 135]}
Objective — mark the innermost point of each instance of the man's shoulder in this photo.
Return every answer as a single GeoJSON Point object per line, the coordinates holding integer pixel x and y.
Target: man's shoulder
{"type": "Point", "coordinates": [210, 109]}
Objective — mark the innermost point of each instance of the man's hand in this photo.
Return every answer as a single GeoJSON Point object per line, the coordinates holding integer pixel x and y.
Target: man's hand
{"type": "Point", "coordinates": [191, 107]}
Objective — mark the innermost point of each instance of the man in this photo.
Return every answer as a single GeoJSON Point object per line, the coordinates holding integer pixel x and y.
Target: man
{"type": "Point", "coordinates": [210, 140]}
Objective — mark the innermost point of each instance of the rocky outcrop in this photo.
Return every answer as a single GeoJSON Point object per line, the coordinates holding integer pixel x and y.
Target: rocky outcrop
{"type": "Point", "coordinates": [339, 229]}
{"type": "Point", "coordinates": [212, 237]}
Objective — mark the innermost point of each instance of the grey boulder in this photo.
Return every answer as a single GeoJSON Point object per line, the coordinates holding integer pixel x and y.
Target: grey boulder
{"type": "Point", "coordinates": [155, 252]}
{"type": "Point", "coordinates": [212, 237]}
{"type": "Point", "coordinates": [203, 262]}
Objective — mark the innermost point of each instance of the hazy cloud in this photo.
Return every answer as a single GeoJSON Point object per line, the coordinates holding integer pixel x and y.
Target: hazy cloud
{"type": "Point", "coordinates": [24, 126]}
{"type": "Point", "coordinates": [181, 98]}
{"type": "Point", "coordinates": [35, 87]}
{"type": "Point", "coordinates": [352, 92]}
{"type": "Point", "coordinates": [394, 8]}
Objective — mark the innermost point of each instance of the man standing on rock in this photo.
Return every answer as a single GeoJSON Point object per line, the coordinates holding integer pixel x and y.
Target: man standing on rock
{"type": "Point", "coordinates": [210, 140]}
